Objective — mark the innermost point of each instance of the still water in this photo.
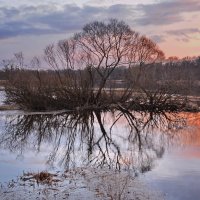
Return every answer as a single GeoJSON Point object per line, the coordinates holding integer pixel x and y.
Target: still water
{"type": "Point", "coordinates": [177, 174]}
{"type": "Point", "coordinates": [161, 149]}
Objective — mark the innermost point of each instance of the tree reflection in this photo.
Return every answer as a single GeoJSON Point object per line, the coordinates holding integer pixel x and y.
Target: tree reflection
{"type": "Point", "coordinates": [120, 140]}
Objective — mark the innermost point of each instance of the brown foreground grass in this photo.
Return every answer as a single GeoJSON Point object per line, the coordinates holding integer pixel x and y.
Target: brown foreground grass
{"type": "Point", "coordinates": [42, 177]}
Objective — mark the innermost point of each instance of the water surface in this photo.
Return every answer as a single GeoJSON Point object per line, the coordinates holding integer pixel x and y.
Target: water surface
{"type": "Point", "coordinates": [177, 174]}
{"type": "Point", "coordinates": [163, 150]}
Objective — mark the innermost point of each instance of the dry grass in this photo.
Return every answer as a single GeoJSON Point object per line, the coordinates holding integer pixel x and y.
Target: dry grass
{"type": "Point", "coordinates": [43, 177]}
{"type": "Point", "coordinates": [8, 107]}
{"type": "Point", "coordinates": [3, 83]}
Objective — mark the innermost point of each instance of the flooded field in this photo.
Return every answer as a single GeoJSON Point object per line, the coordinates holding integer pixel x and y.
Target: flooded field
{"type": "Point", "coordinates": [160, 149]}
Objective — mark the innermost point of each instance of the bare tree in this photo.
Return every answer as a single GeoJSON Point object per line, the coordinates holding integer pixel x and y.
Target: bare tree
{"type": "Point", "coordinates": [101, 47]}
{"type": "Point", "coordinates": [104, 46]}
{"type": "Point", "coordinates": [82, 66]}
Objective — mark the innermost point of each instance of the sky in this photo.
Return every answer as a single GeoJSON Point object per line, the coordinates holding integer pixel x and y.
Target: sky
{"type": "Point", "coordinates": [29, 26]}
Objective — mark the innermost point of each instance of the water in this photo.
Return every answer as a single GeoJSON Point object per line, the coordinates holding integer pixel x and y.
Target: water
{"type": "Point", "coordinates": [165, 154]}
{"type": "Point", "coordinates": [177, 175]}
{"type": "Point", "coordinates": [14, 162]}
{"type": "Point", "coordinates": [2, 97]}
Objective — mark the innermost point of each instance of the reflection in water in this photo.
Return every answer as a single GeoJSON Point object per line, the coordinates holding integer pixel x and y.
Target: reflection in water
{"type": "Point", "coordinates": [177, 174]}
{"type": "Point", "coordinates": [191, 134]}
{"type": "Point", "coordinates": [128, 140]}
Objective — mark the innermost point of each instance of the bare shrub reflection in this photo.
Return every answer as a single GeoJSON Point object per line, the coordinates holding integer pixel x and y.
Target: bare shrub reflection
{"type": "Point", "coordinates": [119, 139]}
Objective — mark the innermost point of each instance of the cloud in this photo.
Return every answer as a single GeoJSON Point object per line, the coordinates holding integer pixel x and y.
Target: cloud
{"type": "Point", "coordinates": [158, 38]}
{"type": "Point", "coordinates": [54, 18]}
{"type": "Point", "coordinates": [184, 31]}
{"type": "Point", "coordinates": [45, 19]}
{"type": "Point", "coordinates": [166, 12]}
{"type": "Point", "coordinates": [184, 35]}
{"type": "Point", "coordinates": [111, 2]}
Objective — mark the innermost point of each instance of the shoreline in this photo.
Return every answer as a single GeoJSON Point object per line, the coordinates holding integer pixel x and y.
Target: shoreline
{"type": "Point", "coordinates": [192, 107]}
{"type": "Point", "coordinates": [80, 183]}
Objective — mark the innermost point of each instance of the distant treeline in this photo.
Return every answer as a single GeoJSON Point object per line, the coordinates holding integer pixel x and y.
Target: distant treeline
{"type": "Point", "coordinates": [3, 75]}
{"type": "Point", "coordinates": [181, 77]}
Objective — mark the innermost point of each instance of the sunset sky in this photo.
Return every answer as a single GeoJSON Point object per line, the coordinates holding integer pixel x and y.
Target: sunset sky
{"type": "Point", "coordinates": [29, 26]}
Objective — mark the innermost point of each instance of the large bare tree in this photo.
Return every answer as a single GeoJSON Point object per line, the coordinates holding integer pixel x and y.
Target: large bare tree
{"type": "Point", "coordinates": [102, 46]}
{"type": "Point", "coordinates": [82, 68]}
